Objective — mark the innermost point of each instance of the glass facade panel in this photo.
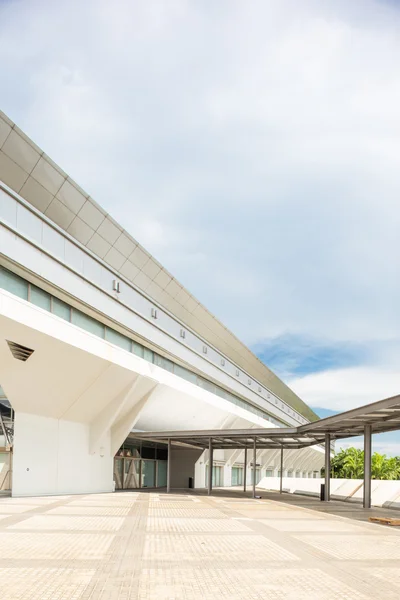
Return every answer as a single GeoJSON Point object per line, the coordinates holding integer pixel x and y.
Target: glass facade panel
{"type": "Point", "coordinates": [40, 298]}
{"type": "Point", "coordinates": [148, 473]}
{"type": "Point", "coordinates": [61, 309]}
{"type": "Point", "coordinates": [148, 451]}
{"type": "Point", "coordinates": [14, 284]}
{"type": "Point", "coordinates": [185, 374]}
{"type": "Point", "coordinates": [87, 323]}
{"type": "Point", "coordinates": [148, 354]}
{"type": "Point", "coordinates": [217, 476]}
{"type": "Point", "coordinates": [162, 473]}
{"type": "Point", "coordinates": [131, 450]}
{"type": "Point", "coordinates": [132, 473]}
{"type": "Point", "coordinates": [164, 363]}
{"type": "Point", "coordinates": [237, 476]}
{"type": "Point", "coordinates": [269, 473]}
{"type": "Point", "coordinates": [118, 473]}
{"type": "Point", "coordinates": [161, 452]}
{"type": "Point", "coordinates": [206, 385]}
{"type": "Point", "coordinates": [137, 349]}
{"type": "Point", "coordinates": [118, 339]}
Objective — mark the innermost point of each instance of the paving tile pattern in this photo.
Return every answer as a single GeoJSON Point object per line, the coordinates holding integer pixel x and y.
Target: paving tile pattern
{"type": "Point", "coordinates": [151, 546]}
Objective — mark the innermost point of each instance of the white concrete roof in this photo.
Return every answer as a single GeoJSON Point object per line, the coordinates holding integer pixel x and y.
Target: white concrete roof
{"type": "Point", "coordinates": [26, 169]}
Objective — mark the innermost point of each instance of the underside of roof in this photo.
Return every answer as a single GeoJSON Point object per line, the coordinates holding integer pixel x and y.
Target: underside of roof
{"type": "Point", "coordinates": [26, 169]}
{"type": "Point", "coordinates": [382, 416]}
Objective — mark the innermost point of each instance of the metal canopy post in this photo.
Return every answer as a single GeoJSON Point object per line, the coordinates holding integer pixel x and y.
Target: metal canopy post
{"type": "Point", "coordinates": [327, 496]}
{"type": "Point", "coordinates": [367, 466]}
{"type": "Point", "coordinates": [281, 482]}
{"type": "Point", "coordinates": [254, 466]}
{"type": "Point", "coordinates": [169, 467]}
{"type": "Point", "coordinates": [210, 466]}
{"type": "Point", "coordinates": [245, 469]}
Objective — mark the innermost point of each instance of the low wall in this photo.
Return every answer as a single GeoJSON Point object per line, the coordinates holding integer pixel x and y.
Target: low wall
{"type": "Point", "coordinates": [383, 493]}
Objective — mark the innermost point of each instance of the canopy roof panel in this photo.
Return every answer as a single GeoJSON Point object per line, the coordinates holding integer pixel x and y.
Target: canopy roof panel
{"type": "Point", "coordinates": [383, 416]}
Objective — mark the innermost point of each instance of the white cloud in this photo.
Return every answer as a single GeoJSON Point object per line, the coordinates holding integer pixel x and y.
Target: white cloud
{"type": "Point", "coordinates": [253, 147]}
{"type": "Point", "coordinates": [344, 389]}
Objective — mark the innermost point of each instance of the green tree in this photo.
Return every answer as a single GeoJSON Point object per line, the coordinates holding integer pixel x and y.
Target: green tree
{"type": "Point", "coordinates": [349, 464]}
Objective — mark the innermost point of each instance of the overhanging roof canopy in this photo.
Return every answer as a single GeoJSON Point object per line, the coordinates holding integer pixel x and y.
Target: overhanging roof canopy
{"type": "Point", "coordinates": [382, 416]}
{"type": "Point", "coordinates": [235, 438]}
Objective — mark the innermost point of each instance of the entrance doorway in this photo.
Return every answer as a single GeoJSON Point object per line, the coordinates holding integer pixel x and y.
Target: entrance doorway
{"type": "Point", "coordinates": [140, 466]}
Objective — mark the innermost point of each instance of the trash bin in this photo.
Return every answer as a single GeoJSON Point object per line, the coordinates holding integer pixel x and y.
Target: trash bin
{"type": "Point", "coordinates": [190, 483]}
{"type": "Point", "coordinates": [322, 492]}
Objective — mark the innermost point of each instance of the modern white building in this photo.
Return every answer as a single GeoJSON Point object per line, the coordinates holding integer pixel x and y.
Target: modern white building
{"type": "Point", "coordinates": [98, 339]}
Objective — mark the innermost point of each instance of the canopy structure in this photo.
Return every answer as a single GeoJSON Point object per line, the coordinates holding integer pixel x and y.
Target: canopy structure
{"type": "Point", "coordinates": [381, 416]}
{"type": "Point", "coordinates": [237, 438]}
{"type": "Point", "coordinates": [378, 417]}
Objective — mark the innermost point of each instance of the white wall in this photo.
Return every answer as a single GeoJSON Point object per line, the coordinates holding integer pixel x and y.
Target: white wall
{"type": "Point", "coordinates": [51, 456]}
{"type": "Point", "coordinates": [383, 493]}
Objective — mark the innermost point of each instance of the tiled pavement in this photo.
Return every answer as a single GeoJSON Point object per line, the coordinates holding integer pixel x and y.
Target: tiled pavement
{"type": "Point", "coordinates": [186, 546]}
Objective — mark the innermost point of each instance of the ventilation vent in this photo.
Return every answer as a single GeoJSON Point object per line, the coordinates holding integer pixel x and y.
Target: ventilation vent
{"type": "Point", "coordinates": [20, 352]}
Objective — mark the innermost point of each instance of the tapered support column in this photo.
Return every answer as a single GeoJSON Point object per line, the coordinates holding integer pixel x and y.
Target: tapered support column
{"type": "Point", "coordinates": [169, 468]}
{"type": "Point", "coordinates": [254, 466]}
{"type": "Point", "coordinates": [281, 478]}
{"type": "Point", "coordinates": [210, 466]}
{"type": "Point", "coordinates": [367, 466]}
{"type": "Point", "coordinates": [327, 467]}
{"type": "Point", "coordinates": [245, 470]}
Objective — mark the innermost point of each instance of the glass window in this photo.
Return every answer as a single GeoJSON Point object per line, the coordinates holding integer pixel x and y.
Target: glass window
{"type": "Point", "coordinates": [217, 476]}
{"type": "Point", "coordinates": [269, 473]}
{"type": "Point", "coordinates": [148, 473]}
{"type": "Point", "coordinates": [87, 323]}
{"type": "Point", "coordinates": [161, 473]}
{"type": "Point", "coordinates": [131, 450]}
{"type": "Point", "coordinates": [118, 339]}
{"type": "Point", "coordinates": [118, 473]}
{"type": "Point", "coordinates": [149, 450]}
{"type": "Point", "coordinates": [14, 284]}
{"type": "Point", "coordinates": [40, 298]}
{"type": "Point", "coordinates": [164, 363]}
{"type": "Point", "coordinates": [137, 349]}
{"type": "Point", "coordinates": [148, 354]}
{"type": "Point", "coordinates": [162, 452]}
{"type": "Point", "coordinates": [132, 473]}
{"type": "Point", "coordinates": [185, 374]}
{"type": "Point", "coordinates": [206, 385]}
{"type": "Point", "coordinates": [61, 309]}
{"type": "Point", "coordinates": [237, 476]}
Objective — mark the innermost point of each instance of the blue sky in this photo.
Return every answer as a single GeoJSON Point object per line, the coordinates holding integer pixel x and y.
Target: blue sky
{"type": "Point", "coordinates": [252, 147]}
